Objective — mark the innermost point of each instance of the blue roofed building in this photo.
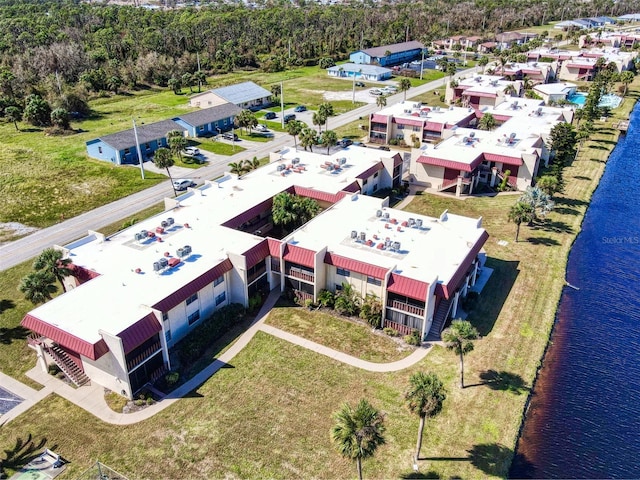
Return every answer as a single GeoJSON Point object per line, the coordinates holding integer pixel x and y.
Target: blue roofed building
{"type": "Point", "coordinates": [120, 148]}
{"type": "Point", "coordinates": [245, 95]}
{"type": "Point", "coordinates": [361, 72]}
{"type": "Point", "coordinates": [388, 55]}
{"type": "Point", "coordinates": [208, 120]}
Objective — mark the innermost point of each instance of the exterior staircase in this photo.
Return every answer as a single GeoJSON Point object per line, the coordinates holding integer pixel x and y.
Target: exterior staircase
{"type": "Point", "coordinates": [66, 364]}
{"type": "Point", "coordinates": [439, 320]}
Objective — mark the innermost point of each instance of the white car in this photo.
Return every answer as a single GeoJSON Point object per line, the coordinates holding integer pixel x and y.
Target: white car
{"type": "Point", "coordinates": [191, 151]}
{"type": "Point", "coordinates": [260, 128]}
{"type": "Point", "coordinates": [376, 92]}
{"type": "Point", "coordinates": [183, 183]}
{"type": "Point", "coordinates": [389, 90]}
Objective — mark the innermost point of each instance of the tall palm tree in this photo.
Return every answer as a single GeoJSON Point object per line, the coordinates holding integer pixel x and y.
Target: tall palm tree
{"type": "Point", "coordinates": [201, 78]}
{"type": "Point", "coordinates": [329, 138]}
{"type": "Point", "coordinates": [162, 159]}
{"type": "Point", "coordinates": [425, 397]}
{"type": "Point", "coordinates": [308, 138]}
{"type": "Point", "coordinates": [358, 432]}
{"type": "Point", "coordinates": [177, 143]}
{"type": "Point", "coordinates": [405, 84]}
{"type": "Point", "coordinates": [53, 262]}
{"type": "Point", "coordinates": [459, 337]}
{"type": "Point", "coordinates": [319, 120]}
{"type": "Point", "coordinates": [510, 90]}
{"type": "Point", "coordinates": [294, 128]}
{"type": "Point", "coordinates": [326, 110]}
{"type": "Point", "coordinates": [520, 212]}
{"type": "Point", "coordinates": [237, 168]}
{"type": "Point", "coordinates": [38, 286]}
{"type": "Point", "coordinates": [381, 101]}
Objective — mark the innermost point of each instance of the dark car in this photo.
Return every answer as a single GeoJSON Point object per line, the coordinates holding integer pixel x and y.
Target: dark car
{"type": "Point", "coordinates": [345, 142]}
{"type": "Point", "coordinates": [289, 118]}
{"type": "Point", "coordinates": [270, 115]}
{"type": "Point", "coordinates": [230, 136]}
{"type": "Point", "coordinates": [384, 147]}
{"type": "Point", "coordinates": [300, 108]}
{"type": "Point", "coordinates": [360, 84]}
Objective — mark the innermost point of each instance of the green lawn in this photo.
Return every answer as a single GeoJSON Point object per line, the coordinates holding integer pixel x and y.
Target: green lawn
{"type": "Point", "coordinates": [340, 334]}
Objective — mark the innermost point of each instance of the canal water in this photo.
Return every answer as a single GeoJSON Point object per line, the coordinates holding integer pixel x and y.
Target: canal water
{"type": "Point", "coordinates": [584, 417]}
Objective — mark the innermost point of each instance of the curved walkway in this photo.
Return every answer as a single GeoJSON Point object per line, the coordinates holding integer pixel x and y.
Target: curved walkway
{"type": "Point", "coordinates": [91, 397]}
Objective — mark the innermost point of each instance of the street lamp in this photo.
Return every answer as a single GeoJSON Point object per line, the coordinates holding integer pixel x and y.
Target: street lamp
{"type": "Point", "coordinates": [140, 159]}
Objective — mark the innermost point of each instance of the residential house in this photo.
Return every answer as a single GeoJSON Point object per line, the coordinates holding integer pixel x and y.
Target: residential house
{"type": "Point", "coordinates": [372, 73]}
{"type": "Point", "coordinates": [536, 72]}
{"type": "Point", "coordinates": [555, 92]}
{"type": "Point", "coordinates": [120, 148]}
{"type": "Point", "coordinates": [507, 40]}
{"type": "Point", "coordinates": [479, 91]}
{"type": "Point", "coordinates": [388, 55]}
{"type": "Point", "coordinates": [209, 121]}
{"type": "Point", "coordinates": [245, 95]}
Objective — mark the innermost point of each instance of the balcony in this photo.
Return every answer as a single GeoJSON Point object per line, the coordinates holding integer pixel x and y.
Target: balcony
{"type": "Point", "coordinates": [403, 329]}
{"type": "Point", "coordinates": [257, 274]}
{"type": "Point", "coordinates": [302, 296]}
{"type": "Point", "coordinates": [275, 265]}
{"type": "Point", "coordinates": [301, 275]}
{"type": "Point", "coordinates": [405, 307]}
{"type": "Point", "coordinates": [140, 358]}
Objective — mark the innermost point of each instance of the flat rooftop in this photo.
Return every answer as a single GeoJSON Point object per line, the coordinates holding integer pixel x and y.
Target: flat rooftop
{"type": "Point", "coordinates": [412, 110]}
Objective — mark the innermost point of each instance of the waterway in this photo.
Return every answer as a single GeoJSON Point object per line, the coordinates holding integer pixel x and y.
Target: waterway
{"type": "Point", "coordinates": [584, 417]}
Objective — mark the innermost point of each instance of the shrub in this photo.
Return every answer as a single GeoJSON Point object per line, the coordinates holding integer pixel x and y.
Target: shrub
{"type": "Point", "coordinates": [393, 141]}
{"type": "Point", "coordinates": [149, 400]}
{"type": "Point", "coordinates": [53, 369]}
{"type": "Point", "coordinates": [503, 184]}
{"type": "Point", "coordinates": [371, 311]}
{"type": "Point", "coordinates": [255, 301]}
{"type": "Point", "coordinates": [171, 378]}
{"type": "Point", "coordinates": [326, 298]}
{"type": "Point", "coordinates": [392, 332]}
{"type": "Point", "coordinates": [308, 303]}
{"type": "Point", "coordinates": [413, 339]}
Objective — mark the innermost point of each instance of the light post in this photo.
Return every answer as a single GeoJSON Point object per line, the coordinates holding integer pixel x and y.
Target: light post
{"type": "Point", "coordinates": [422, 64]}
{"type": "Point", "coordinates": [140, 159]}
{"type": "Point", "coordinates": [219, 132]}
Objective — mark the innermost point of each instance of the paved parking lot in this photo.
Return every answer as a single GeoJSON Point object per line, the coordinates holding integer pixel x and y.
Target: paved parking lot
{"type": "Point", "coordinates": [8, 400]}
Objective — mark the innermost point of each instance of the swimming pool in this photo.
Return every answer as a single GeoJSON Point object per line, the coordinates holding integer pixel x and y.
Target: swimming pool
{"type": "Point", "coordinates": [607, 101]}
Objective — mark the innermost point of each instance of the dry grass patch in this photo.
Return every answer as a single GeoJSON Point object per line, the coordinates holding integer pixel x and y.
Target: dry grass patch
{"type": "Point", "coordinates": [341, 334]}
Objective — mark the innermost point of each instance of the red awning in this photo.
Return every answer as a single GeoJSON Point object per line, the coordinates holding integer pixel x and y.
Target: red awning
{"type": "Point", "coordinates": [274, 247]}
{"type": "Point", "coordinates": [370, 171]}
{"type": "Point", "coordinates": [379, 118]}
{"type": "Point", "coordinates": [397, 160]}
{"type": "Point", "coordinates": [408, 287]}
{"type": "Point", "coordinates": [434, 126]}
{"type": "Point", "coordinates": [299, 255]}
{"type": "Point", "coordinates": [355, 265]}
{"type": "Point", "coordinates": [480, 94]}
{"type": "Point", "coordinates": [82, 274]}
{"type": "Point", "coordinates": [66, 339]}
{"type": "Point", "coordinates": [256, 254]}
{"type": "Point", "coordinates": [447, 290]}
{"type": "Point", "coordinates": [581, 66]}
{"type": "Point", "coordinates": [139, 332]}
{"type": "Point", "coordinates": [316, 194]}
{"type": "Point", "coordinates": [440, 162]}
{"type": "Point", "coordinates": [407, 121]}
{"type": "Point", "coordinates": [193, 286]}
{"type": "Point", "coordinates": [494, 157]}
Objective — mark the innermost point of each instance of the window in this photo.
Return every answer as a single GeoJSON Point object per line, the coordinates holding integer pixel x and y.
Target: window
{"type": "Point", "coordinates": [192, 299]}
{"type": "Point", "coordinates": [147, 146]}
{"type": "Point", "coordinates": [338, 287]}
{"type": "Point", "coordinates": [400, 126]}
{"type": "Point", "coordinates": [375, 175]}
{"type": "Point", "coordinates": [374, 281]}
{"type": "Point", "coordinates": [165, 316]}
{"type": "Point", "coordinates": [416, 129]}
{"type": "Point", "coordinates": [194, 317]}
{"type": "Point", "coordinates": [99, 149]}
{"type": "Point", "coordinates": [127, 151]}
{"type": "Point", "coordinates": [221, 298]}
{"type": "Point", "coordinates": [218, 280]}
{"type": "Point", "coordinates": [365, 181]}
{"type": "Point", "coordinates": [167, 335]}
{"type": "Point", "coordinates": [343, 271]}
{"type": "Point", "coordinates": [375, 187]}
{"type": "Point", "coordinates": [201, 128]}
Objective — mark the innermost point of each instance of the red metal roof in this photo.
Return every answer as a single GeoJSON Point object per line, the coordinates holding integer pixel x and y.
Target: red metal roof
{"type": "Point", "coordinates": [581, 66]}
{"type": "Point", "coordinates": [193, 286]}
{"type": "Point", "coordinates": [440, 162]}
{"type": "Point", "coordinates": [500, 118]}
{"type": "Point", "coordinates": [397, 160]}
{"type": "Point", "coordinates": [355, 265]}
{"type": "Point", "coordinates": [82, 274]}
{"type": "Point", "coordinates": [139, 332]}
{"type": "Point", "coordinates": [258, 253]}
{"type": "Point", "coordinates": [249, 214]}
{"type": "Point", "coordinates": [379, 118]}
{"type": "Point", "coordinates": [408, 287]}
{"type": "Point", "coordinates": [274, 247]}
{"type": "Point", "coordinates": [299, 255]}
{"type": "Point", "coordinates": [67, 340]}
{"type": "Point", "coordinates": [480, 94]}
{"type": "Point", "coordinates": [448, 289]}
{"type": "Point", "coordinates": [370, 171]}
{"type": "Point", "coordinates": [353, 187]}
{"type": "Point", "coordinates": [316, 194]}
{"type": "Point", "coordinates": [494, 157]}
{"type": "Point", "coordinates": [434, 126]}
{"type": "Point", "coordinates": [407, 121]}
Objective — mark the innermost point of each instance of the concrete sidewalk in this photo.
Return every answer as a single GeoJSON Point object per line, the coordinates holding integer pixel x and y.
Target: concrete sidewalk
{"type": "Point", "coordinates": [91, 397]}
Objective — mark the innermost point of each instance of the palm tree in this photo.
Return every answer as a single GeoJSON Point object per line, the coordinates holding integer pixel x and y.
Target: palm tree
{"type": "Point", "coordinates": [237, 168]}
{"type": "Point", "coordinates": [326, 110]}
{"type": "Point", "coordinates": [38, 286]}
{"type": "Point", "coordinates": [319, 120]}
{"type": "Point", "coordinates": [347, 300]}
{"type": "Point", "coordinates": [381, 101]}
{"type": "Point", "coordinates": [459, 337]}
{"type": "Point", "coordinates": [510, 90]}
{"type": "Point", "coordinates": [405, 84]}
{"type": "Point", "coordinates": [251, 164]}
{"type": "Point", "coordinates": [53, 262]}
{"type": "Point", "coordinates": [626, 78]}
{"type": "Point", "coordinates": [358, 432]}
{"type": "Point", "coordinates": [483, 61]}
{"type": "Point", "coordinates": [308, 138]}
{"type": "Point", "coordinates": [114, 82]}
{"type": "Point", "coordinates": [425, 397]}
{"type": "Point", "coordinates": [175, 85]}
{"type": "Point", "coordinates": [329, 138]}
{"type": "Point", "coordinates": [294, 128]}
{"type": "Point", "coordinates": [162, 159]}
{"type": "Point", "coordinates": [201, 78]}
{"type": "Point", "coordinates": [520, 212]}
{"type": "Point", "coordinates": [187, 80]}
{"type": "Point", "coordinates": [13, 114]}
{"type": "Point", "coordinates": [487, 122]}
{"type": "Point", "coordinates": [177, 143]}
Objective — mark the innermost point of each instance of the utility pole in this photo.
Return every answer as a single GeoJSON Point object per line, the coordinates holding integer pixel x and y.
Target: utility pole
{"type": "Point", "coordinates": [198, 58]}
{"type": "Point", "coordinates": [282, 104]}
{"type": "Point", "coordinates": [135, 134]}
{"type": "Point", "coordinates": [422, 64]}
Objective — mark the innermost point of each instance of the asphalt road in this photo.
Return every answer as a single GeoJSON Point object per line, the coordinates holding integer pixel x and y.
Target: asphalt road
{"type": "Point", "coordinates": [69, 230]}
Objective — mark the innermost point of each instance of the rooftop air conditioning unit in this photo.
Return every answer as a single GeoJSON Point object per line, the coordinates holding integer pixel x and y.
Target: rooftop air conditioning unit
{"type": "Point", "coordinates": [170, 220]}
{"type": "Point", "coordinates": [396, 246]}
{"type": "Point", "coordinates": [417, 105]}
{"type": "Point", "coordinates": [163, 262]}
{"type": "Point", "coordinates": [180, 252]}
{"type": "Point", "coordinates": [354, 234]}
{"type": "Point", "coordinates": [419, 223]}
{"type": "Point", "coordinates": [280, 168]}
{"type": "Point", "coordinates": [343, 160]}
{"type": "Point", "coordinates": [156, 266]}
{"type": "Point", "coordinates": [378, 213]}
{"type": "Point", "coordinates": [139, 237]}
{"type": "Point", "coordinates": [387, 242]}
{"type": "Point", "coordinates": [164, 224]}
{"type": "Point", "coordinates": [386, 215]}
{"type": "Point", "coordinates": [412, 222]}
{"type": "Point", "coordinates": [472, 134]}
{"type": "Point", "coordinates": [187, 250]}
{"type": "Point", "coordinates": [363, 236]}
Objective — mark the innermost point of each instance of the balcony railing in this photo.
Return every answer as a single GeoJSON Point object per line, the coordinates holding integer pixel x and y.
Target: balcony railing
{"type": "Point", "coordinates": [138, 359]}
{"type": "Point", "coordinates": [302, 296]}
{"type": "Point", "coordinates": [275, 265]}
{"type": "Point", "coordinates": [405, 307]}
{"type": "Point", "coordinates": [307, 277]}
{"type": "Point", "coordinates": [403, 329]}
{"type": "Point", "coordinates": [256, 274]}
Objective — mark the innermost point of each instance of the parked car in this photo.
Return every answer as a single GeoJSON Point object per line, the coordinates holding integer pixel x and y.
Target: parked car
{"type": "Point", "coordinates": [345, 142]}
{"type": "Point", "coordinates": [359, 144]}
{"type": "Point", "coordinates": [376, 92]}
{"type": "Point", "coordinates": [384, 147]}
{"type": "Point", "coordinates": [389, 89]}
{"type": "Point", "coordinates": [299, 108]}
{"type": "Point", "coordinates": [270, 115]}
{"type": "Point", "coordinates": [289, 118]}
{"type": "Point", "coordinates": [360, 84]}
{"type": "Point", "coordinates": [230, 136]}
{"type": "Point", "coordinates": [191, 151]}
{"type": "Point", "coordinates": [260, 128]}
{"type": "Point", "coordinates": [183, 183]}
